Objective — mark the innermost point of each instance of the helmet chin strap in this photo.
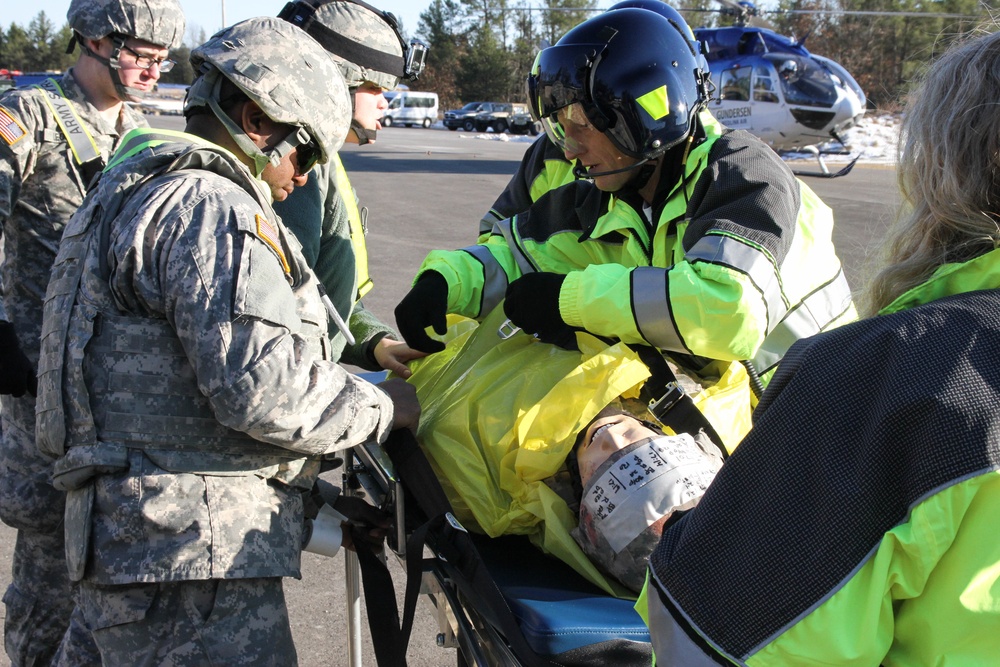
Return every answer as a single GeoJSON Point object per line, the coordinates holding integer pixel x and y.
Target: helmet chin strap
{"type": "Point", "coordinates": [363, 134]}
{"type": "Point", "coordinates": [260, 159]}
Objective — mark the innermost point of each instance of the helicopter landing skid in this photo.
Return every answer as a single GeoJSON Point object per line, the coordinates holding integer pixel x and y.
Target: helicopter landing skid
{"type": "Point", "coordinates": [824, 170]}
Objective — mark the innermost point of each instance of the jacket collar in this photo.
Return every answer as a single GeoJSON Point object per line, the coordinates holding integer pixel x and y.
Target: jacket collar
{"type": "Point", "coordinates": [980, 273]}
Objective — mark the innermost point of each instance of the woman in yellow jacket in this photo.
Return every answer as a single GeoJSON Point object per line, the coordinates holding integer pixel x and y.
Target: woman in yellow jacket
{"type": "Point", "coordinates": [856, 524]}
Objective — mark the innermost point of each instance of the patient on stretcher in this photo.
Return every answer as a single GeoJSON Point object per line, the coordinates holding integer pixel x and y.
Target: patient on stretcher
{"type": "Point", "coordinates": [628, 478]}
{"type": "Point", "coordinates": [502, 416]}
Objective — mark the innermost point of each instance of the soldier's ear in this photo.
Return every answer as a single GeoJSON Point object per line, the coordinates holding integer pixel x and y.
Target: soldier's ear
{"type": "Point", "coordinates": [257, 125]}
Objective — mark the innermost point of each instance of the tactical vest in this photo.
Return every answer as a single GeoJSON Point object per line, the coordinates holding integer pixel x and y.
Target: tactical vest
{"type": "Point", "coordinates": [108, 381]}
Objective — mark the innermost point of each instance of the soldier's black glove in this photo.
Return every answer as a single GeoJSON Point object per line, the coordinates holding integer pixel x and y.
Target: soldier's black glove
{"type": "Point", "coordinates": [426, 305]}
{"type": "Point", "coordinates": [532, 303]}
{"type": "Point", "coordinates": [366, 523]}
{"type": "Point", "coordinates": [16, 372]}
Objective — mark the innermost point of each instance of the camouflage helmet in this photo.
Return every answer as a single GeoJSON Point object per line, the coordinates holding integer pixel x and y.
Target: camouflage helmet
{"type": "Point", "coordinates": [286, 72]}
{"type": "Point", "coordinates": [364, 41]}
{"type": "Point", "coordinates": [159, 22]}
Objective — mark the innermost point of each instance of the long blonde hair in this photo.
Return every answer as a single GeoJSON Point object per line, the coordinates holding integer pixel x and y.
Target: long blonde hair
{"type": "Point", "coordinates": [948, 171]}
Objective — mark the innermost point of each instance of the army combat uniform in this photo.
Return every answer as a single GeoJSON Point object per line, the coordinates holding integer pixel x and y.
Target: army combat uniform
{"type": "Point", "coordinates": [43, 178]}
{"type": "Point", "coordinates": [196, 399]}
{"type": "Point", "coordinates": [336, 251]}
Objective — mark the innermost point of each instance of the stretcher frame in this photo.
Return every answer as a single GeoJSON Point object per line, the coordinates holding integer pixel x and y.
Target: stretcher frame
{"type": "Point", "coordinates": [370, 474]}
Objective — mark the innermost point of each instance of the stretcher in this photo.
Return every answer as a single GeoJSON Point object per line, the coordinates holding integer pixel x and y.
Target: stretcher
{"type": "Point", "coordinates": [562, 618]}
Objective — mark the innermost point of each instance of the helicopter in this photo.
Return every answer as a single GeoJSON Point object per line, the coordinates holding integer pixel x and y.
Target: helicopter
{"type": "Point", "coordinates": [773, 87]}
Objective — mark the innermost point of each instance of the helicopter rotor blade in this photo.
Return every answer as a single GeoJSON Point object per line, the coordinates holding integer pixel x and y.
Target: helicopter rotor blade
{"type": "Point", "coordinates": [850, 12]}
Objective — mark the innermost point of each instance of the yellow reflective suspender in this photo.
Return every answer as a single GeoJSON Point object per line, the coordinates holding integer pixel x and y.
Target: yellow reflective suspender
{"type": "Point", "coordinates": [80, 142]}
{"type": "Point", "coordinates": [364, 280]}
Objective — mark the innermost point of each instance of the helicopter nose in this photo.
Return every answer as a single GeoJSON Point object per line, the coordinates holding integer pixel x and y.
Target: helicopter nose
{"type": "Point", "coordinates": [848, 111]}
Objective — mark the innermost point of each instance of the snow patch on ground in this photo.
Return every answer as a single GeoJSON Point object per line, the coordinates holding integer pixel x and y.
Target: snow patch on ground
{"type": "Point", "coordinates": [873, 141]}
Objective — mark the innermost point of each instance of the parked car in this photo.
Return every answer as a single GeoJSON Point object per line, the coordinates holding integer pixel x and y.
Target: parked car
{"type": "Point", "coordinates": [465, 118]}
{"type": "Point", "coordinates": [411, 108]}
{"type": "Point", "coordinates": [498, 118]}
{"type": "Point", "coordinates": [521, 122]}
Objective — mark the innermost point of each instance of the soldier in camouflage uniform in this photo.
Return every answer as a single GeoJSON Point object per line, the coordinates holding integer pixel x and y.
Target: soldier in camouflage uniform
{"type": "Point", "coordinates": [185, 379]}
{"type": "Point", "coordinates": [325, 215]}
{"type": "Point", "coordinates": [53, 139]}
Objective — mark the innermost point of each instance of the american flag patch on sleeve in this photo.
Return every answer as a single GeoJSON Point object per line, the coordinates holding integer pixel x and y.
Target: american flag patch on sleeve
{"type": "Point", "coordinates": [10, 129]}
{"type": "Point", "coordinates": [269, 235]}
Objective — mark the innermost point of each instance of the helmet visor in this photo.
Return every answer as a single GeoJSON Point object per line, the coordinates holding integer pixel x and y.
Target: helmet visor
{"type": "Point", "coordinates": [561, 76]}
{"type": "Point", "coordinates": [565, 125]}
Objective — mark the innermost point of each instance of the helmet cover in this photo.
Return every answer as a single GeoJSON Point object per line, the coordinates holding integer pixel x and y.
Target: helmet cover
{"type": "Point", "coordinates": [159, 22]}
{"type": "Point", "coordinates": [286, 72]}
{"type": "Point", "coordinates": [366, 45]}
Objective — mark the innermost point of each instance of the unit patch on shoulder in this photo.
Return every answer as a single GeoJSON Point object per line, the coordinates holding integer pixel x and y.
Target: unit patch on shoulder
{"type": "Point", "coordinates": [269, 235]}
{"type": "Point", "coordinates": [10, 129]}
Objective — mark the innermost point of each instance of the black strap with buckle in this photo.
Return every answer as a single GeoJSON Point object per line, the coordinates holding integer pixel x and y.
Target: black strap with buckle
{"type": "Point", "coordinates": [669, 403]}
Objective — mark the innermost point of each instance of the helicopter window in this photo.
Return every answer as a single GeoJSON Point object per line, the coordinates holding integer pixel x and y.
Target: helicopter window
{"type": "Point", "coordinates": [804, 82]}
{"type": "Point", "coordinates": [763, 86]}
{"type": "Point", "coordinates": [751, 43]}
{"type": "Point", "coordinates": [736, 84]}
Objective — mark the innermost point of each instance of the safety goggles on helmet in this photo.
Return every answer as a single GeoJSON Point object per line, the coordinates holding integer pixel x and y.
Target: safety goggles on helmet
{"type": "Point", "coordinates": [145, 62]}
{"type": "Point", "coordinates": [307, 150]}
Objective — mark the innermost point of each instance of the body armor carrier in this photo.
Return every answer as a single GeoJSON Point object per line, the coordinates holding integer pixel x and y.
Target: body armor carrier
{"type": "Point", "coordinates": [147, 395]}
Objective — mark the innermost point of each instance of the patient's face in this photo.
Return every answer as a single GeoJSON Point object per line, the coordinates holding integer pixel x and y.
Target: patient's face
{"type": "Point", "coordinates": [604, 437]}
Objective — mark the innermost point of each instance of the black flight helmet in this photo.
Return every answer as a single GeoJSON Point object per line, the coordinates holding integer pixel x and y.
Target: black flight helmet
{"type": "Point", "coordinates": [635, 74]}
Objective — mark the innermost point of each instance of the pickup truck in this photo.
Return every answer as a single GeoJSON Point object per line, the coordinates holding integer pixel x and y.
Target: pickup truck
{"type": "Point", "coordinates": [465, 118]}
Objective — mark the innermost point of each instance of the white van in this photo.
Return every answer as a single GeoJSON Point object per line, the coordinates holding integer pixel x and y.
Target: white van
{"type": "Point", "coordinates": [411, 108]}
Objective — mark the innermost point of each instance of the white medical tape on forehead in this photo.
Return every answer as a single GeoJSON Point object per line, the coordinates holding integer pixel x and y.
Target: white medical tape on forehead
{"type": "Point", "coordinates": [639, 485]}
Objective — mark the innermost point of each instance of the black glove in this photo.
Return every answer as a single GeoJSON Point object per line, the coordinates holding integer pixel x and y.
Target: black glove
{"type": "Point", "coordinates": [366, 523]}
{"type": "Point", "coordinates": [17, 375]}
{"type": "Point", "coordinates": [425, 305]}
{"type": "Point", "coordinates": [532, 303]}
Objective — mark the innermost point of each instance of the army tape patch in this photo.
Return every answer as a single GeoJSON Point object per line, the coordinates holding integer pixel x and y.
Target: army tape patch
{"type": "Point", "coordinates": [10, 129]}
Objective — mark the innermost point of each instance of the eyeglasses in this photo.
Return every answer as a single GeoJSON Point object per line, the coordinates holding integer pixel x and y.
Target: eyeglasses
{"type": "Point", "coordinates": [145, 62]}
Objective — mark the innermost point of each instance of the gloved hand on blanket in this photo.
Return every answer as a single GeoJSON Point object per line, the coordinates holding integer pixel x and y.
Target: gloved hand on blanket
{"type": "Point", "coordinates": [532, 303]}
{"type": "Point", "coordinates": [424, 306]}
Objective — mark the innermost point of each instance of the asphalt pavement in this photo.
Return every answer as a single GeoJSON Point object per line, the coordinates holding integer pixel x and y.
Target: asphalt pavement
{"type": "Point", "coordinates": [427, 189]}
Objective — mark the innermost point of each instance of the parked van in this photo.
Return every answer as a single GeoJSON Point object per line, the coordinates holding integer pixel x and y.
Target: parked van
{"type": "Point", "coordinates": [411, 108]}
